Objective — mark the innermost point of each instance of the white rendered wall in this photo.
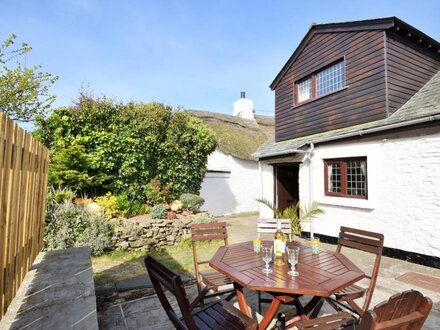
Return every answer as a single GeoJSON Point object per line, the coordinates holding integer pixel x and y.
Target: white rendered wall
{"type": "Point", "coordinates": [244, 108]}
{"type": "Point", "coordinates": [235, 189]}
{"type": "Point", "coordinates": [403, 192]}
{"type": "Point", "coordinates": [267, 186]}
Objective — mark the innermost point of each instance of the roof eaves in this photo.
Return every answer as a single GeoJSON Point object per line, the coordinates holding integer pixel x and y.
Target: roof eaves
{"type": "Point", "coordinates": [359, 130]}
{"type": "Point", "coordinates": [361, 25]}
{"type": "Point", "coordinates": [293, 57]}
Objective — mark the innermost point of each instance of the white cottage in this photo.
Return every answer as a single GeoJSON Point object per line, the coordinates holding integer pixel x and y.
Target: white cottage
{"type": "Point", "coordinates": [231, 183]}
{"type": "Point", "coordinates": [357, 110]}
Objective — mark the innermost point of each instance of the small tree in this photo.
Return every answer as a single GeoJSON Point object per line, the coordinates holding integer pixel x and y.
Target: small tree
{"type": "Point", "coordinates": [24, 92]}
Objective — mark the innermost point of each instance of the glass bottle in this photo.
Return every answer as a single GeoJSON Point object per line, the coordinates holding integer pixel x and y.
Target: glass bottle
{"type": "Point", "coordinates": [279, 245]}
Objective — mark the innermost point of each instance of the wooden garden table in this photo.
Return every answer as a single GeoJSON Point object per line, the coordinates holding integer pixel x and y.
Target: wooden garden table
{"type": "Point", "coordinates": [319, 276]}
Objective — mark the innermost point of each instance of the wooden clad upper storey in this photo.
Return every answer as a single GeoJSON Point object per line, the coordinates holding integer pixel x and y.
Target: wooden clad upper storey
{"type": "Point", "coordinates": [345, 74]}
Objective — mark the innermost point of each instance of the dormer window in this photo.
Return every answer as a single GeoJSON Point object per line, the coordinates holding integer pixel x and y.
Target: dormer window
{"type": "Point", "coordinates": [321, 83]}
{"type": "Point", "coordinates": [305, 90]}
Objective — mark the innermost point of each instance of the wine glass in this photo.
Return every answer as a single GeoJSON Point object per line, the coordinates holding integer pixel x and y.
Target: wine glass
{"type": "Point", "coordinates": [293, 256]}
{"type": "Point", "coordinates": [267, 253]}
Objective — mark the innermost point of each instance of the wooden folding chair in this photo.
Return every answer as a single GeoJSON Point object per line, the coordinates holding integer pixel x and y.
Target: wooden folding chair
{"type": "Point", "coordinates": [406, 310]}
{"type": "Point", "coordinates": [364, 241]}
{"type": "Point", "coordinates": [212, 279]}
{"type": "Point", "coordinates": [217, 315]}
{"type": "Point", "coordinates": [269, 226]}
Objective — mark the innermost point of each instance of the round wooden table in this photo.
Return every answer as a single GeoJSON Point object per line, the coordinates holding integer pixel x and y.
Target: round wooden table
{"type": "Point", "coordinates": [319, 276]}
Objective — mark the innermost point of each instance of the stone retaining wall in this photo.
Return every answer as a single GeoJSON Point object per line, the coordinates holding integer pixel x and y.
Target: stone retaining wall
{"type": "Point", "coordinates": [145, 234]}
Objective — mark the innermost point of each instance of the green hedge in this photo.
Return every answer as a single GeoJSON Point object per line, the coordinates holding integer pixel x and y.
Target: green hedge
{"type": "Point", "coordinates": [100, 145]}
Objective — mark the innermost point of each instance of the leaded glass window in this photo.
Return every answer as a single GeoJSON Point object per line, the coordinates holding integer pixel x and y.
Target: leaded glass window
{"type": "Point", "coordinates": [320, 83]}
{"type": "Point", "coordinates": [330, 79]}
{"type": "Point", "coordinates": [346, 177]}
{"type": "Point", "coordinates": [305, 90]}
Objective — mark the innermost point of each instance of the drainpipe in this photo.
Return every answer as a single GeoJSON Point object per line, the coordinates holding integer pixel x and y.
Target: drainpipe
{"type": "Point", "coordinates": [309, 155]}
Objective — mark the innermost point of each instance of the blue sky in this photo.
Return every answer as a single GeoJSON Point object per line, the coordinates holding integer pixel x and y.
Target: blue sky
{"type": "Point", "coordinates": [195, 54]}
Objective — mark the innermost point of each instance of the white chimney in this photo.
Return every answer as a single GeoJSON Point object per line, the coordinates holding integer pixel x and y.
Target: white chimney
{"type": "Point", "coordinates": [244, 108]}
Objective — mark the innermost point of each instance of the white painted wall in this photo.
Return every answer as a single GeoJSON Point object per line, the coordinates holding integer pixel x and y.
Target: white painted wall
{"type": "Point", "coordinates": [267, 186]}
{"type": "Point", "coordinates": [244, 108]}
{"type": "Point", "coordinates": [403, 191]}
{"type": "Point", "coordinates": [232, 192]}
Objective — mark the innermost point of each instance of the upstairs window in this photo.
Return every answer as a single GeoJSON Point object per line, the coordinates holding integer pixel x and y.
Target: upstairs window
{"type": "Point", "coordinates": [321, 83]}
{"type": "Point", "coordinates": [305, 90]}
{"type": "Point", "coordinates": [330, 79]}
{"type": "Point", "coordinates": [346, 177]}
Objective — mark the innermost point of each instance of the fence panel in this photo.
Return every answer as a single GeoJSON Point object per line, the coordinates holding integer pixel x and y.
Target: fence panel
{"type": "Point", "coordinates": [23, 186]}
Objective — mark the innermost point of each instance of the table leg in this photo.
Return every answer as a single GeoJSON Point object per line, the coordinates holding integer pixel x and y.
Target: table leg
{"type": "Point", "coordinates": [270, 314]}
{"type": "Point", "coordinates": [242, 303]}
{"type": "Point", "coordinates": [302, 313]}
{"type": "Point", "coordinates": [311, 305]}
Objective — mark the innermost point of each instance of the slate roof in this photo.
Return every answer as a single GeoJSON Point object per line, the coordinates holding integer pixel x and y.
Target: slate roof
{"type": "Point", "coordinates": [236, 136]}
{"type": "Point", "coordinates": [424, 106]}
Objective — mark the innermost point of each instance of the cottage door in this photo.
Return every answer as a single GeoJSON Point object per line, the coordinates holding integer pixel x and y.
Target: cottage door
{"type": "Point", "coordinates": [286, 185]}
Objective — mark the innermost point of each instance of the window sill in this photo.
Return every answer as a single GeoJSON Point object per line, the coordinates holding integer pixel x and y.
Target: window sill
{"type": "Point", "coordinates": [347, 202]}
{"type": "Point", "coordinates": [318, 98]}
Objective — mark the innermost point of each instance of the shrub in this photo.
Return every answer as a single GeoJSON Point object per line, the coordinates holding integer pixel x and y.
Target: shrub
{"type": "Point", "coordinates": [99, 145]}
{"type": "Point", "coordinates": [59, 194]}
{"type": "Point", "coordinates": [158, 212]}
{"type": "Point", "coordinates": [123, 202]}
{"type": "Point", "coordinates": [184, 153]}
{"type": "Point", "coordinates": [192, 202]}
{"type": "Point", "coordinates": [97, 235]}
{"type": "Point", "coordinates": [110, 205]}
{"type": "Point", "coordinates": [70, 167]}
{"type": "Point", "coordinates": [143, 209]}
{"type": "Point", "coordinates": [128, 207]}
{"type": "Point", "coordinates": [68, 225]}
{"type": "Point", "coordinates": [156, 193]}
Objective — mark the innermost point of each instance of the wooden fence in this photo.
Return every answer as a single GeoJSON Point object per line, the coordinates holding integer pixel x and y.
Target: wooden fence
{"type": "Point", "coordinates": [23, 185]}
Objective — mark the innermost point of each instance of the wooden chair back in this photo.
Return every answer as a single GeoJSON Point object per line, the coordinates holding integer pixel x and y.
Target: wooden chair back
{"type": "Point", "coordinates": [367, 241]}
{"type": "Point", "coordinates": [406, 310]}
{"type": "Point", "coordinates": [206, 232]}
{"type": "Point", "coordinates": [269, 225]}
{"type": "Point", "coordinates": [163, 277]}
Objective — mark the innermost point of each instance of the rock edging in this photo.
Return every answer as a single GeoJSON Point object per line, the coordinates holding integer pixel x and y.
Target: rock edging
{"type": "Point", "coordinates": [146, 233]}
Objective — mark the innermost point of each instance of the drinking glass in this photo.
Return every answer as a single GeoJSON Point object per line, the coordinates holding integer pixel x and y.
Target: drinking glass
{"type": "Point", "coordinates": [293, 256]}
{"type": "Point", "coordinates": [267, 253]}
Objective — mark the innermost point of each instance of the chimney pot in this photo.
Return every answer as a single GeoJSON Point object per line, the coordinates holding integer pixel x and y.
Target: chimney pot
{"type": "Point", "coordinates": [242, 95]}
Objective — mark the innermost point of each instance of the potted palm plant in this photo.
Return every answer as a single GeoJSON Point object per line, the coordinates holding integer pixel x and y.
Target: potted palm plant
{"type": "Point", "coordinates": [297, 214]}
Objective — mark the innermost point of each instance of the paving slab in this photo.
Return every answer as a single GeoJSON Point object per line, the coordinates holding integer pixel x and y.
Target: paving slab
{"type": "Point", "coordinates": [112, 318]}
{"type": "Point", "coordinates": [138, 282]}
{"type": "Point", "coordinates": [57, 293]}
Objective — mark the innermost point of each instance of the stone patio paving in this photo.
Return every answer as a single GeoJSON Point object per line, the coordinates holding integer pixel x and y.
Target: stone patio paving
{"type": "Point", "coordinates": [147, 313]}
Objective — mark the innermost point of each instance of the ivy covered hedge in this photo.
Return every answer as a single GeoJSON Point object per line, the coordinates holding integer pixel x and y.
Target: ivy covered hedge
{"type": "Point", "coordinates": [100, 145]}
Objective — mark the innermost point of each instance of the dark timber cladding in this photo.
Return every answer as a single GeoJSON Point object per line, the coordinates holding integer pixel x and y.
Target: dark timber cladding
{"type": "Point", "coordinates": [386, 62]}
{"type": "Point", "coordinates": [409, 67]}
{"type": "Point", "coordinates": [362, 100]}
